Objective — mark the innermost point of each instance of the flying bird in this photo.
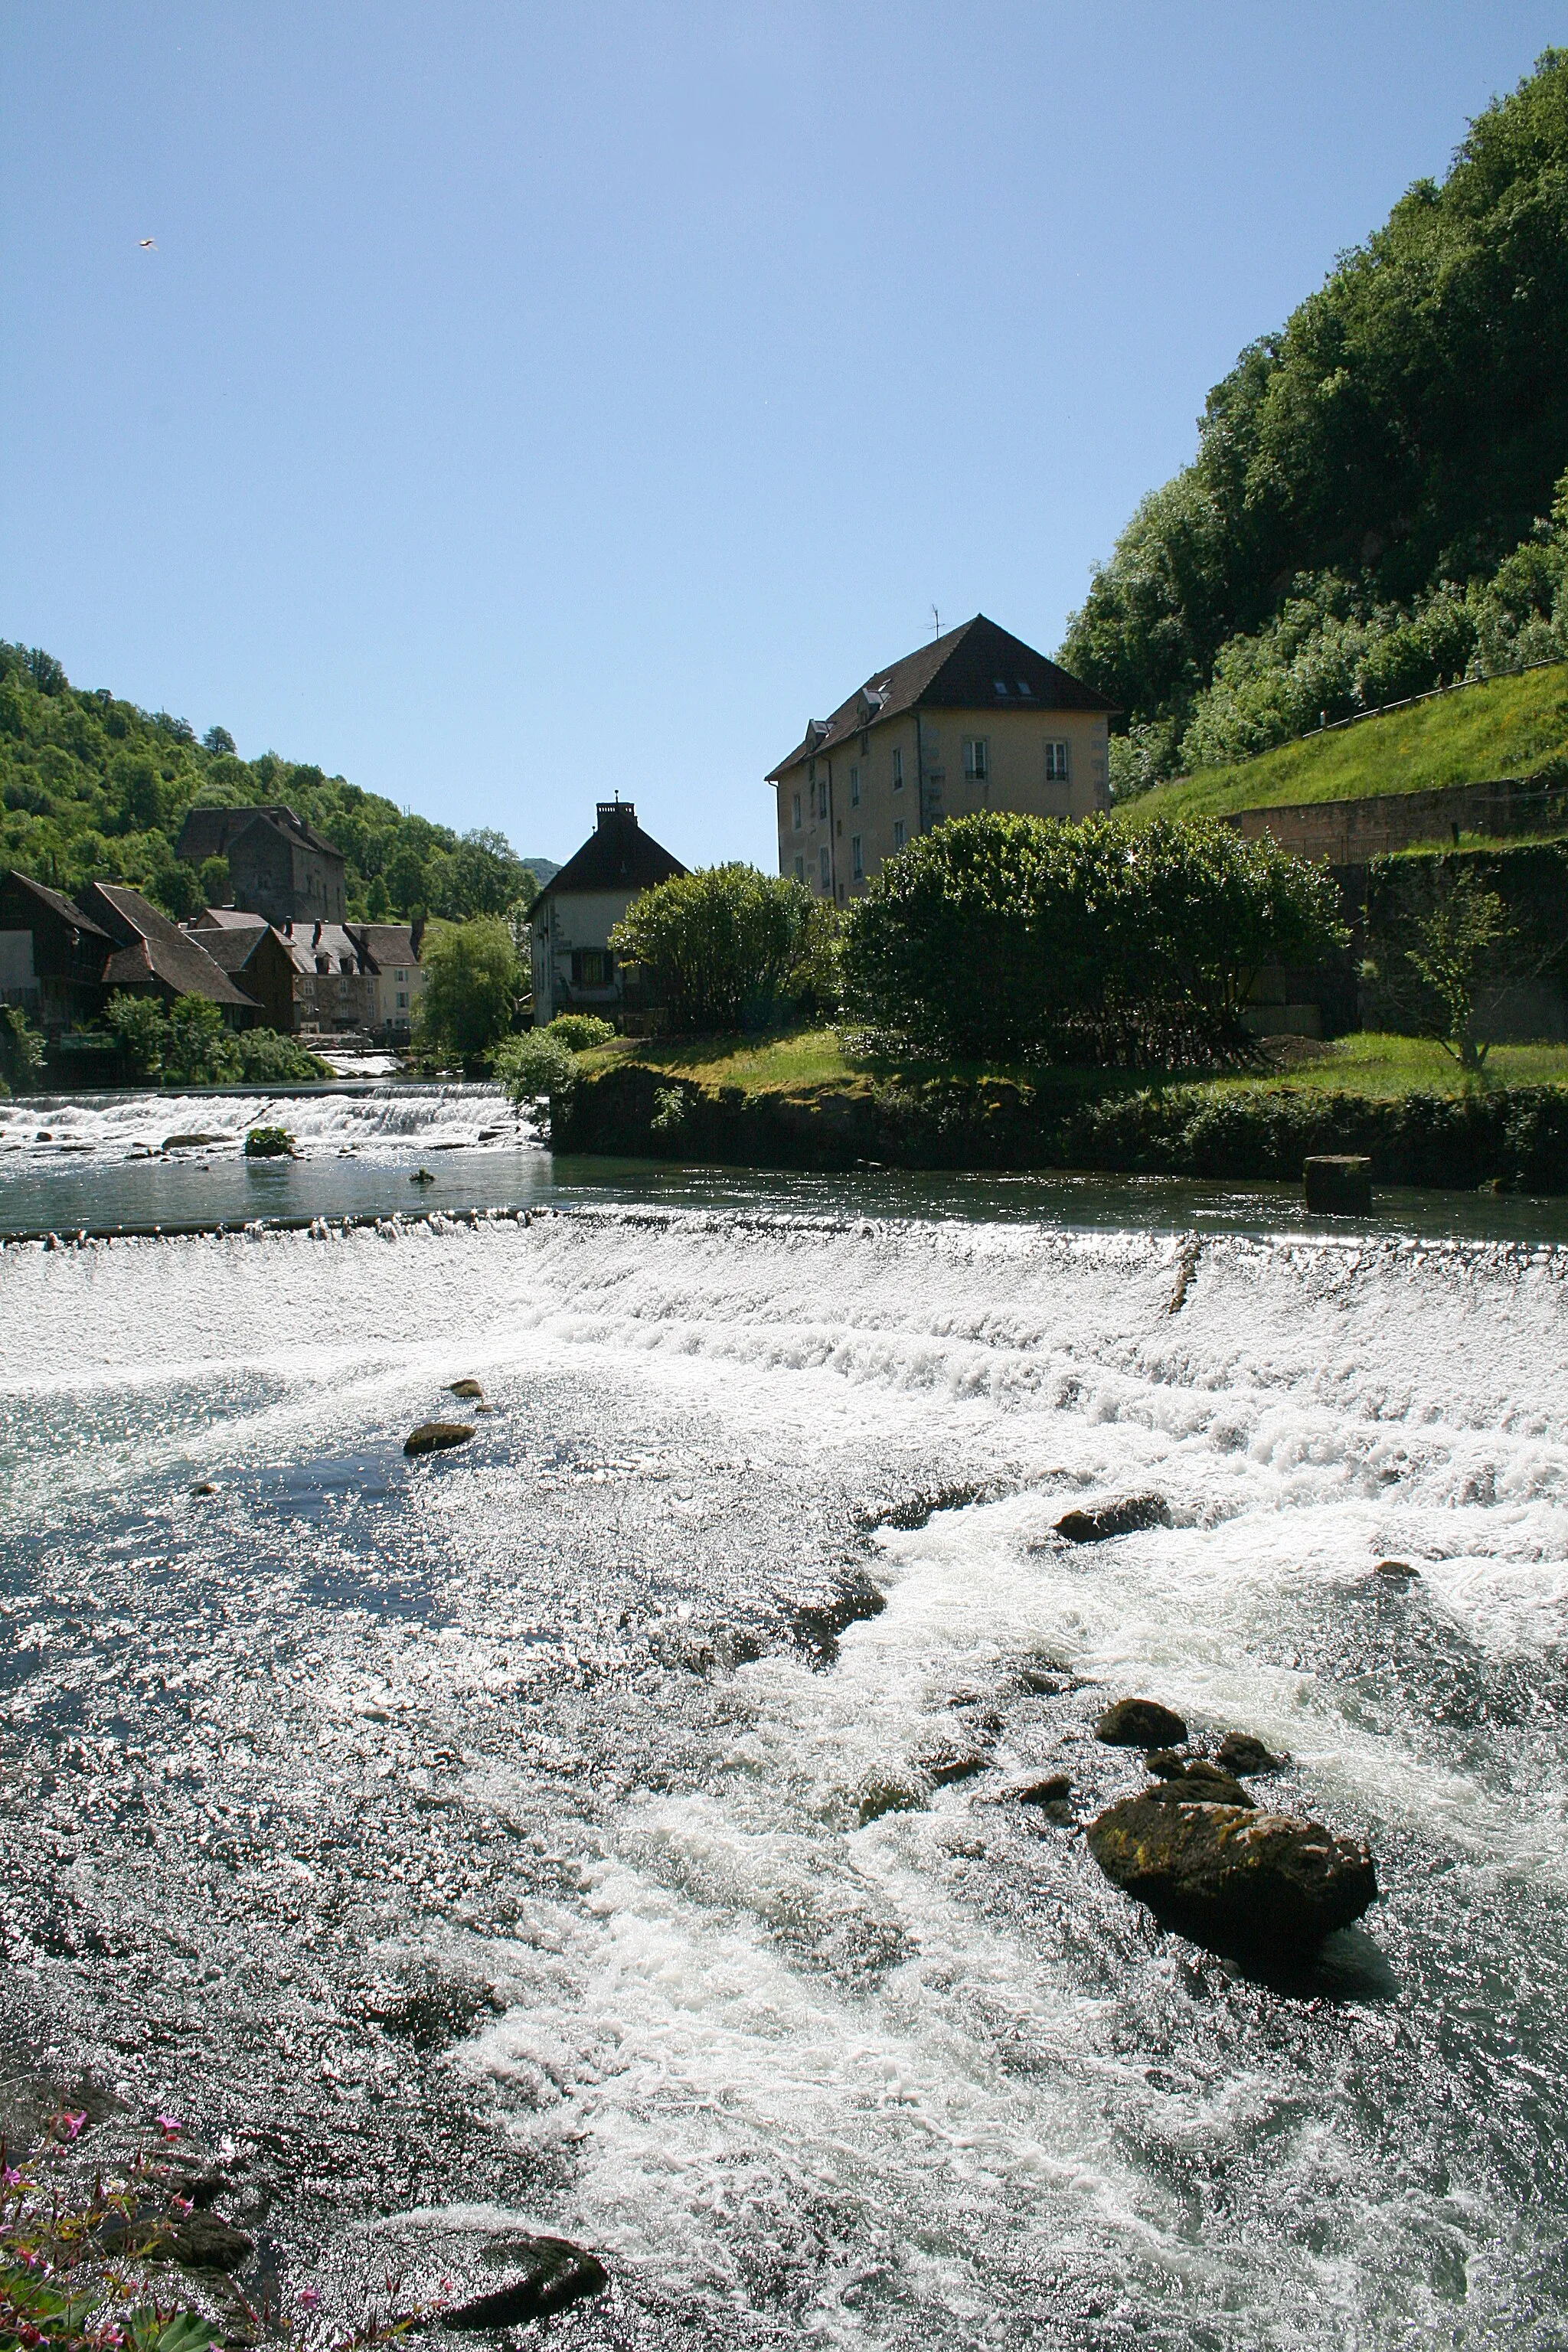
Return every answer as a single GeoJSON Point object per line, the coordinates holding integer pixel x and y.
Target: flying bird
{"type": "Point", "coordinates": [148, 244]}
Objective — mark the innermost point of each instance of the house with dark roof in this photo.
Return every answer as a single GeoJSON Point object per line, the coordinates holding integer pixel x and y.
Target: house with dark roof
{"type": "Point", "coordinates": [150, 956]}
{"type": "Point", "coordinates": [574, 967]}
{"type": "Point", "coordinates": [280, 868]}
{"type": "Point", "coordinates": [256, 958]}
{"type": "Point", "coordinates": [51, 955]}
{"type": "Point", "coordinates": [977, 720]}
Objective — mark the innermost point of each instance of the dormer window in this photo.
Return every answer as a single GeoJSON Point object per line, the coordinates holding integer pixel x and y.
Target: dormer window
{"type": "Point", "coordinates": [1024, 686]}
{"type": "Point", "coordinates": [1000, 684]}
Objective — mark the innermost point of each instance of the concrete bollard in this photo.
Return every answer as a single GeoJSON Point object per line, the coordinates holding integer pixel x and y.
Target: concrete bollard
{"type": "Point", "coordinates": [1337, 1185]}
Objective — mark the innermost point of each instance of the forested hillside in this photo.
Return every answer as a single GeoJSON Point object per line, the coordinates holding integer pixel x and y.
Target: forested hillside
{"type": "Point", "coordinates": [1371, 510]}
{"type": "Point", "coordinates": [95, 788]}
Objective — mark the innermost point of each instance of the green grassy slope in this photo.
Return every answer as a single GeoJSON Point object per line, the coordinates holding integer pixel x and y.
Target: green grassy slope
{"type": "Point", "coordinates": [1506, 727]}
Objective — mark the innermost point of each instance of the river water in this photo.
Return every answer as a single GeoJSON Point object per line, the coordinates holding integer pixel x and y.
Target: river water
{"type": "Point", "coordinates": [501, 1833]}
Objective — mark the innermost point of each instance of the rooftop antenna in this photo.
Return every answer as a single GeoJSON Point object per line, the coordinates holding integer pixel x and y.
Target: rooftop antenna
{"type": "Point", "coordinates": [935, 622]}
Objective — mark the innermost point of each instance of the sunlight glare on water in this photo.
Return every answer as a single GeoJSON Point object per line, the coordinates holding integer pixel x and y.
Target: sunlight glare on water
{"type": "Point", "coordinates": [541, 1724]}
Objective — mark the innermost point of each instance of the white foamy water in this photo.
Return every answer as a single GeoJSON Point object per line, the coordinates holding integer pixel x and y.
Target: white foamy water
{"type": "Point", "coordinates": [44, 1128]}
{"type": "Point", "coordinates": [532, 1718]}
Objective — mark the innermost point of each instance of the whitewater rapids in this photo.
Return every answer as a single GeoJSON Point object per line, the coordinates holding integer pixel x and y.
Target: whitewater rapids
{"type": "Point", "coordinates": [540, 1731]}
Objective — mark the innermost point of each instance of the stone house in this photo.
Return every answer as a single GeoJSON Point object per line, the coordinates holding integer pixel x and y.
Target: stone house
{"type": "Point", "coordinates": [977, 720]}
{"type": "Point", "coordinates": [391, 952]}
{"type": "Point", "coordinates": [574, 967]}
{"type": "Point", "coordinates": [280, 868]}
{"type": "Point", "coordinates": [151, 956]}
{"type": "Point", "coordinates": [256, 958]}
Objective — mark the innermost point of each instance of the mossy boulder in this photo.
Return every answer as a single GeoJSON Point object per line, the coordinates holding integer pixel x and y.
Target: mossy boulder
{"type": "Point", "coordinates": [1232, 1877]}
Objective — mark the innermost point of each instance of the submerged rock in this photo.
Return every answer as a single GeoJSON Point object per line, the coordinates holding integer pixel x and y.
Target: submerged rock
{"type": "Point", "coordinates": [421, 1176]}
{"type": "Point", "coordinates": [1122, 1518]}
{"type": "Point", "coordinates": [1397, 1571]}
{"type": "Point", "coordinates": [1139, 1723]}
{"type": "Point", "coordinates": [943, 1768]}
{"type": "Point", "coordinates": [1231, 1875]}
{"type": "Point", "coordinates": [197, 2241]}
{"type": "Point", "coordinates": [192, 1142]}
{"type": "Point", "coordinates": [817, 1624]}
{"type": "Point", "coordinates": [434, 1436]}
{"type": "Point", "coordinates": [203, 1487]}
{"type": "Point", "coordinates": [1238, 1752]}
{"type": "Point", "coordinates": [464, 1388]}
{"type": "Point", "coordinates": [880, 1797]}
{"type": "Point", "coordinates": [542, 2275]}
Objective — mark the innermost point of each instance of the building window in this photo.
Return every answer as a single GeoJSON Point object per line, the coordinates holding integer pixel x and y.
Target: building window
{"type": "Point", "coordinates": [797, 812]}
{"type": "Point", "coordinates": [854, 787]}
{"type": "Point", "coordinates": [1056, 763]}
{"type": "Point", "coordinates": [811, 771]}
{"type": "Point", "coordinates": [822, 798]}
{"type": "Point", "coordinates": [898, 832]}
{"type": "Point", "coordinates": [800, 869]}
{"type": "Point", "coordinates": [827, 871]}
{"type": "Point", "coordinates": [403, 1000]}
{"type": "Point", "coordinates": [592, 968]}
{"type": "Point", "coordinates": [402, 978]}
{"type": "Point", "coordinates": [856, 868]}
{"type": "Point", "coordinates": [898, 771]}
{"type": "Point", "coordinates": [976, 759]}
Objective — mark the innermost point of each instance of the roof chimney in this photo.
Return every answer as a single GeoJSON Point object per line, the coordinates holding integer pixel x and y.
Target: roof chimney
{"type": "Point", "coordinates": [616, 812]}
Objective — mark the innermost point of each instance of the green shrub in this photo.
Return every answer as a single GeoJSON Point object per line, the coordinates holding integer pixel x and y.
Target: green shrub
{"type": "Point", "coordinates": [473, 980]}
{"type": "Point", "coordinates": [269, 1058]}
{"type": "Point", "coordinates": [270, 1144]}
{"type": "Point", "coordinates": [536, 1066]}
{"type": "Point", "coordinates": [21, 1049]}
{"type": "Point", "coordinates": [580, 1032]}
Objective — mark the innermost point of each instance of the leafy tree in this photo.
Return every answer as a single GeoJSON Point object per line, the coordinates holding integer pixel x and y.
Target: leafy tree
{"type": "Point", "coordinates": [21, 1049]}
{"type": "Point", "coordinates": [1204, 911]}
{"type": "Point", "coordinates": [472, 981]}
{"type": "Point", "coordinates": [139, 1029]}
{"type": "Point", "coordinates": [1459, 951]}
{"type": "Point", "coordinates": [720, 948]}
{"type": "Point", "coordinates": [178, 891]}
{"type": "Point", "coordinates": [201, 1049]}
{"type": "Point", "coordinates": [218, 739]}
{"type": "Point", "coordinates": [215, 886]}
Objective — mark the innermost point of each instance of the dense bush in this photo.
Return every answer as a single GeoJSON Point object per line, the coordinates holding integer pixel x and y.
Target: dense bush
{"type": "Point", "coordinates": [473, 982]}
{"type": "Point", "coordinates": [190, 1044]}
{"type": "Point", "coordinates": [94, 789]}
{"type": "Point", "coordinates": [21, 1050]}
{"type": "Point", "coordinates": [729, 947]}
{"type": "Point", "coordinates": [1020, 939]}
{"type": "Point", "coordinates": [1361, 475]}
{"type": "Point", "coordinates": [580, 1032]}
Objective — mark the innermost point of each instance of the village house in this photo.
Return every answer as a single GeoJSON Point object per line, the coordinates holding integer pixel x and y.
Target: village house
{"type": "Point", "coordinates": [319, 979]}
{"type": "Point", "coordinates": [975, 720]}
{"type": "Point", "coordinates": [52, 955]}
{"type": "Point", "coordinates": [280, 868]}
{"type": "Point", "coordinates": [151, 956]}
{"type": "Point", "coordinates": [575, 968]}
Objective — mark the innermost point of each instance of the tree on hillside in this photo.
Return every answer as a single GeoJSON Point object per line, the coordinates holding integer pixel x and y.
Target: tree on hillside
{"type": "Point", "coordinates": [1403, 430]}
{"type": "Point", "coordinates": [472, 982]}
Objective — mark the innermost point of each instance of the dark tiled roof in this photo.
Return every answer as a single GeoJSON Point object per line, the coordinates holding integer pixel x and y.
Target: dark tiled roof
{"type": "Point", "coordinates": [233, 947]}
{"type": "Point", "coordinates": [224, 918]}
{"type": "Point", "coordinates": [976, 667]}
{"type": "Point", "coordinates": [386, 943]}
{"type": "Point", "coordinates": [212, 832]}
{"type": "Point", "coordinates": [150, 947]}
{"type": "Point", "coordinates": [58, 904]}
{"type": "Point", "coordinates": [617, 856]}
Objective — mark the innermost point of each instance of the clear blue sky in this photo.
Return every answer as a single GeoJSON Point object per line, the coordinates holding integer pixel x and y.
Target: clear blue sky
{"type": "Point", "coordinates": [523, 402]}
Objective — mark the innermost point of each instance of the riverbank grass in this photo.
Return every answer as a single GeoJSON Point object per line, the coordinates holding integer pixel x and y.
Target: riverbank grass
{"type": "Point", "coordinates": [807, 1060]}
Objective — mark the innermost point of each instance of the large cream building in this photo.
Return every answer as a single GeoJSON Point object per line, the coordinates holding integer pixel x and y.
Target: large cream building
{"type": "Point", "coordinates": [977, 720]}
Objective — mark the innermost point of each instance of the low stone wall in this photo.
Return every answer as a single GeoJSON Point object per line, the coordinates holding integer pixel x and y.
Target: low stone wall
{"type": "Point", "coordinates": [1351, 833]}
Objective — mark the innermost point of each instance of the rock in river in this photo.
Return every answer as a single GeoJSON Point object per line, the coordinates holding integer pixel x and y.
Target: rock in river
{"type": "Point", "coordinates": [1139, 1723]}
{"type": "Point", "coordinates": [1122, 1518]}
{"type": "Point", "coordinates": [1232, 1877]}
{"type": "Point", "coordinates": [467, 1387]}
{"type": "Point", "coordinates": [1238, 1752]}
{"type": "Point", "coordinates": [432, 1436]}
{"type": "Point", "coordinates": [540, 2275]}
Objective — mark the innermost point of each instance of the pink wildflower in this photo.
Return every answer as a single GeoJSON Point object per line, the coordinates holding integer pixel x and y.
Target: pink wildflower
{"type": "Point", "coordinates": [170, 2125]}
{"type": "Point", "coordinates": [11, 2178]}
{"type": "Point", "coordinates": [308, 2298]}
{"type": "Point", "coordinates": [72, 2120]}
{"type": "Point", "coordinates": [182, 2204]}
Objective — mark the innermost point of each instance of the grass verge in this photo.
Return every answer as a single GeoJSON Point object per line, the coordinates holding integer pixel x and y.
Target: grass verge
{"type": "Point", "coordinates": [1503, 727]}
